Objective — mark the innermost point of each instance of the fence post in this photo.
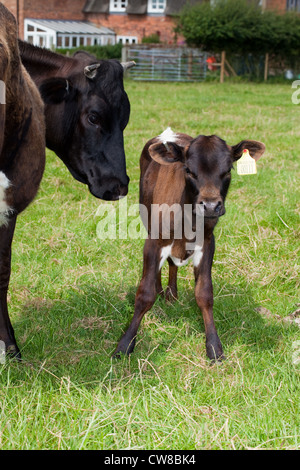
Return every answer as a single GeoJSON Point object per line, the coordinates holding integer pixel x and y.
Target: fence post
{"type": "Point", "coordinates": [223, 58]}
{"type": "Point", "coordinates": [125, 53]}
{"type": "Point", "coordinates": [190, 65]}
{"type": "Point", "coordinates": [266, 67]}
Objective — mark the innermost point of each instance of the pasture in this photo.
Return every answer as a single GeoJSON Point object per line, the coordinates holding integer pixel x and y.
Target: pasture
{"type": "Point", "coordinates": [72, 296]}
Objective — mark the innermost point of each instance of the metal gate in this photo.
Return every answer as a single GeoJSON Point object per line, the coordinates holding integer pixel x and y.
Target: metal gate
{"type": "Point", "coordinates": [176, 64]}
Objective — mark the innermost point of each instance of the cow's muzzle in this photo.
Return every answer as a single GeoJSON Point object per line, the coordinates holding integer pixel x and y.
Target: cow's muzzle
{"type": "Point", "coordinates": [112, 190]}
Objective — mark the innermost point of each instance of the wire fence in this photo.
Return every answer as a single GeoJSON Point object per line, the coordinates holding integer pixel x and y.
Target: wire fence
{"type": "Point", "coordinates": [167, 64]}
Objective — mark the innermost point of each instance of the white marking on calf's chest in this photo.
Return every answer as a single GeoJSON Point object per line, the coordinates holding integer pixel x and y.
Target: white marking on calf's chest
{"type": "Point", "coordinates": [5, 210]}
{"type": "Point", "coordinates": [166, 252]}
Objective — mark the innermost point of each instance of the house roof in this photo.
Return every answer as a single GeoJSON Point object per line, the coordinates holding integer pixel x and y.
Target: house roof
{"type": "Point", "coordinates": [72, 27]}
{"type": "Point", "coordinates": [174, 6]}
{"type": "Point", "coordinates": [96, 6]}
{"type": "Point", "coordinates": [137, 7]}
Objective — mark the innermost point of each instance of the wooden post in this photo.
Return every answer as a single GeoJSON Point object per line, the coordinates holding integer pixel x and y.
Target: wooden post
{"type": "Point", "coordinates": [190, 65]}
{"type": "Point", "coordinates": [223, 58]}
{"type": "Point", "coordinates": [266, 67]}
{"type": "Point", "coordinates": [125, 53]}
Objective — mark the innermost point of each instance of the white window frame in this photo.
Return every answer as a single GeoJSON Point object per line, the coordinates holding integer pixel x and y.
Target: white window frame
{"type": "Point", "coordinates": [95, 39]}
{"type": "Point", "coordinates": [115, 6]}
{"type": "Point", "coordinates": [47, 34]}
{"type": "Point", "coordinates": [127, 40]}
{"type": "Point", "coordinates": [156, 9]}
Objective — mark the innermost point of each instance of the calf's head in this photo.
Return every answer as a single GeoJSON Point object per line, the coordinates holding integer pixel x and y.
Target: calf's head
{"type": "Point", "coordinates": [89, 110]}
{"type": "Point", "coordinates": [206, 163]}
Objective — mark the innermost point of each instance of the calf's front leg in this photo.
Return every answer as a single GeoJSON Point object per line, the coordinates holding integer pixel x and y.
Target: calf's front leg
{"type": "Point", "coordinates": [205, 300]}
{"type": "Point", "coordinates": [145, 296]}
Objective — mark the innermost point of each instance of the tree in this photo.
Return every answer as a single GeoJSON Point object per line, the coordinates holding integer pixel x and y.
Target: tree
{"type": "Point", "coordinates": [239, 26]}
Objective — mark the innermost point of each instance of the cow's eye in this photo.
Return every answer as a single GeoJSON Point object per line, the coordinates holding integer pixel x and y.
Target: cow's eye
{"type": "Point", "coordinates": [93, 119]}
{"type": "Point", "coordinates": [190, 173]}
{"type": "Point", "coordinates": [226, 174]}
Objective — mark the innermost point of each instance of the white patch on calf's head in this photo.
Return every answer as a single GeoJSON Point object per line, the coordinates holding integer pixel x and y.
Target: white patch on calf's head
{"type": "Point", "coordinates": [5, 210]}
{"type": "Point", "coordinates": [168, 136]}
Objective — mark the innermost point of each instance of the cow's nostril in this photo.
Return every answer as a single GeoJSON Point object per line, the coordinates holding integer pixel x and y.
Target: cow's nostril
{"type": "Point", "coordinates": [218, 207]}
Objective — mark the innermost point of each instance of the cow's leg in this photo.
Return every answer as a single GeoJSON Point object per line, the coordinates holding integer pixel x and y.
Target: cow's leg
{"type": "Point", "coordinates": [171, 292]}
{"type": "Point", "coordinates": [6, 329]}
{"type": "Point", "coordinates": [204, 298]}
{"type": "Point", "coordinates": [145, 296]}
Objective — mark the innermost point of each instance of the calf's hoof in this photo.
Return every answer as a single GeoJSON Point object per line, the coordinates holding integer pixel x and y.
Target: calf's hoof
{"type": "Point", "coordinates": [214, 349]}
{"type": "Point", "coordinates": [124, 348]}
{"type": "Point", "coordinates": [171, 295]}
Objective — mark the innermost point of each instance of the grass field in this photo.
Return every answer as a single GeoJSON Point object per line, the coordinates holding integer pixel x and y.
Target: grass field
{"type": "Point", "coordinates": [72, 296]}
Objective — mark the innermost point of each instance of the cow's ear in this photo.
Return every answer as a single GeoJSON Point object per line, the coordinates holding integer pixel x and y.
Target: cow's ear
{"type": "Point", "coordinates": [55, 90]}
{"type": "Point", "coordinates": [256, 149]}
{"type": "Point", "coordinates": [166, 153]}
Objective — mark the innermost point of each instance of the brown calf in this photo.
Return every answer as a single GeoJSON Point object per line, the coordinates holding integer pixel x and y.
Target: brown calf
{"type": "Point", "coordinates": [177, 169]}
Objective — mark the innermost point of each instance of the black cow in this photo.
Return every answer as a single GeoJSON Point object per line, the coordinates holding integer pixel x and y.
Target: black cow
{"type": "Point", "coordinates": [87, 110]}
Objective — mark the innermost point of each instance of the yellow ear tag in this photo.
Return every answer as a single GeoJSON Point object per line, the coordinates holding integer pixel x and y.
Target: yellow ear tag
{"type": "Point", "coordinates": [246, 165]}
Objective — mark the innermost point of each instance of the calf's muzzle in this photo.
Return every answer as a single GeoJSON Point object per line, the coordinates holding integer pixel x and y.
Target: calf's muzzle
{"type": "Point", "coordinates": [212, 208]}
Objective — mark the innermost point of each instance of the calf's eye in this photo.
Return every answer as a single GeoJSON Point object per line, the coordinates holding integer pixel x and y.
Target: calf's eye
{"type": "Point", "coordinates": [226, 174]}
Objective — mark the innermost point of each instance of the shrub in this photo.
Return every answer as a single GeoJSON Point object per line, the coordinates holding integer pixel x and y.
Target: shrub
{"type": "Point", "coordinates": [101, 52]}
{"type": "Point", "coordinates": [152, 39]}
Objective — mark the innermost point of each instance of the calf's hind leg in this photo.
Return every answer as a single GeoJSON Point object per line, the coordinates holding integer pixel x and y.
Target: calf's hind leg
{"type": "Point", "coordinates": [171, 291]}
{"type": "Point", "coordinates": [145, 296]}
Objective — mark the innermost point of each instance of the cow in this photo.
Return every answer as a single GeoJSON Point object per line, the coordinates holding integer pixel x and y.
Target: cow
{"type": "Point", "coordinates": [22, 156]}
{"type": "Point", "coordinates": [77, 107]}
{"type": "Point", "coordinates": [86, 112]}
{"type": "Point", "coordinates": [180, 171]}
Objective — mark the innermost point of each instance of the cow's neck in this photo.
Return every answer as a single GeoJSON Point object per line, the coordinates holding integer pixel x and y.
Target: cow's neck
{"type": "Point", "coordinates": [42, 63]}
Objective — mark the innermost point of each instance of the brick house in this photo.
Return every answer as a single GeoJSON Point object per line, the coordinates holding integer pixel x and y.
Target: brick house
{"type": "Point", "coordinates": [73, 23]}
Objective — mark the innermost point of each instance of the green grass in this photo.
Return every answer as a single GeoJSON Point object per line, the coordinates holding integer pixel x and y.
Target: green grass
{"type": "Point", "coordinates": [72, 295]}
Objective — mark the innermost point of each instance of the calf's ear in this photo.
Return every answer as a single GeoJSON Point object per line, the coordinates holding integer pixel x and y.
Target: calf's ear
{"type": "Point", "coordinates": [55, 90]}
{"type": "Point", "coordinates": [166, 153]}
{"type": "Point", "coordinates": [256, 149]}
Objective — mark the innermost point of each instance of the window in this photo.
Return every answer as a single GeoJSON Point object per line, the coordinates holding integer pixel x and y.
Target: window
{"type": "Point", "coordinates": [293, 5]}
{"type": "Point", "coordinates": [37, 35]}
{"type": "Point", "coordinates": [127, 39]}
{"type": "Point", "coordinates": [118, 5]}
{"type": "Point", "coordinates": [156, 6]}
